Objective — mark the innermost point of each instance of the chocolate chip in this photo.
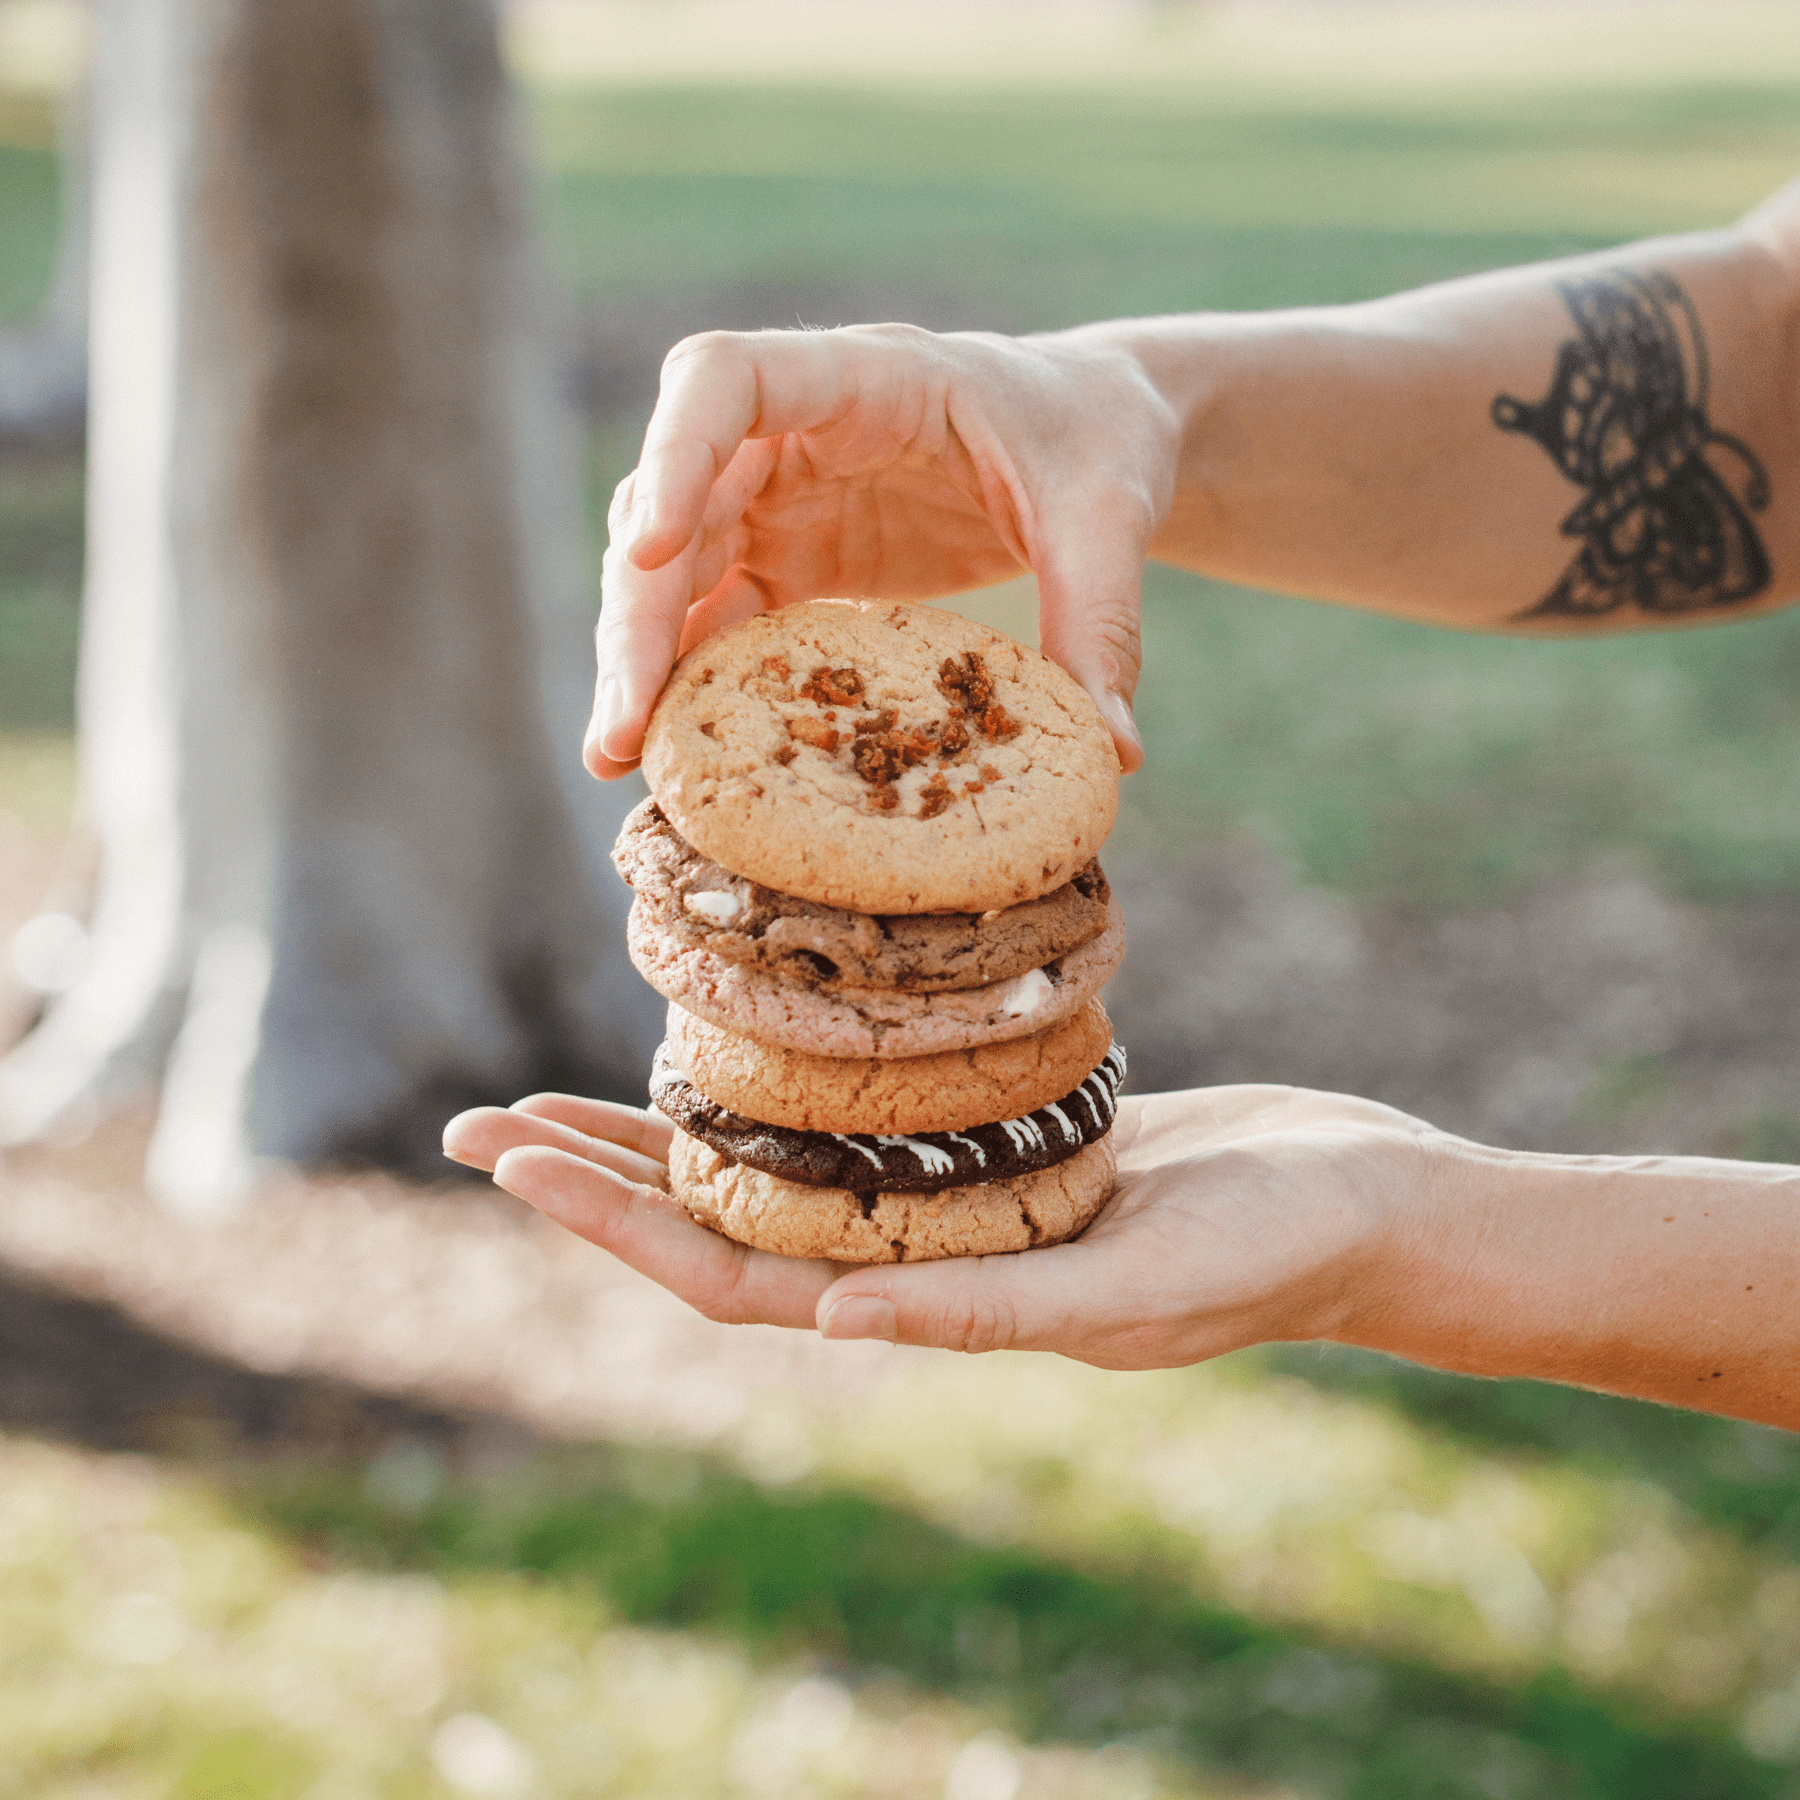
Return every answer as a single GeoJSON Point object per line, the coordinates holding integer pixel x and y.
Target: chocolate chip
{"type": "Point", "coordinates": [821, 966]}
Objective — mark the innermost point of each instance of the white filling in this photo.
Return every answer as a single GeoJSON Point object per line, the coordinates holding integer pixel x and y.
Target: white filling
{"type": "Point", "coordinates": [720, 906]}
{"type": "Point", "coordinates": [1023, 994]}
{"type": "Point", "coordinates": [933, 1160]}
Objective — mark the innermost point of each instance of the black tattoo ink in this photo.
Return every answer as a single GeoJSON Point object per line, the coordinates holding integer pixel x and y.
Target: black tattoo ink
{"type": "Point", "coordinates": [1625, 418]}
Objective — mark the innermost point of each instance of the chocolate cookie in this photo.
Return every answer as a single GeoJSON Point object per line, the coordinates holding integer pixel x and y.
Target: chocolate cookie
{"type": "Point", "coordinates": [706, 907]}
{"type": "Point", "coordinates": [883, 757]}
{"type": "Point", "coordinates": [946, 1092]}
{"type": "Point", "coordinates": [926, 1164]}
{"type": "Point", "coordinates": [844, 1021]}
{"type": "Point", "coordinates": [994, 1219]}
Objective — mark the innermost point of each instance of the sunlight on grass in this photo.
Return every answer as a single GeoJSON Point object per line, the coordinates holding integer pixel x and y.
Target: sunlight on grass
{"type": "Point", "coordinates": [1331, 1514]}
{"type": "Point", "coordinates": [1444, 54]}
{"type": "Point", "coordinates": [156, 1647]}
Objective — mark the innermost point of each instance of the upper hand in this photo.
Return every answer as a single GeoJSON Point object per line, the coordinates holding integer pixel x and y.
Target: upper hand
{"type": "Point", "coordinates": [1242, 1215]}
{"type": "Point", "coordinates": [883, 461]}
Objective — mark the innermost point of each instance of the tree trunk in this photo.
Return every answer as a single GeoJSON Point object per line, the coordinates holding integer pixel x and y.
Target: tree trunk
{"type": "Point", "coordinates": [335, 658]}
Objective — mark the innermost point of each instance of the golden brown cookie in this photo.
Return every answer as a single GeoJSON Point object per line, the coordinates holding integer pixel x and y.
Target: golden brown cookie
{"type": "Point", "coordinates": [883, 757]}
{"type": "Point", "coordinates": [801, 1014]}
{"type": "Point", "coordinates": [792, 1219]}
{"type": "Point", "coordinates": [945, 1092]}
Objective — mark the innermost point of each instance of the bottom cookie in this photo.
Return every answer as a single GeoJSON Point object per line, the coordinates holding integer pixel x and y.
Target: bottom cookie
{"type": "Point", "coordinates": [793, 1219]}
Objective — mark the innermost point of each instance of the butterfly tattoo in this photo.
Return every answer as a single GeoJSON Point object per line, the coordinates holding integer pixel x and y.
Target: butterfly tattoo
{"type": "Point", "coordinates": [1665, 524]}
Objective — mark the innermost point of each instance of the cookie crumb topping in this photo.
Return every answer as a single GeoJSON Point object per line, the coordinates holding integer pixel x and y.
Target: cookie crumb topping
{"type": "Point", "coordinates": [968, 685]}
{"type": "Point", "coordinates": [882, 749]}
{"type": "Point", "coordinates": [815, 732]}
{"type": "Point", "coordinates": [830, 687]}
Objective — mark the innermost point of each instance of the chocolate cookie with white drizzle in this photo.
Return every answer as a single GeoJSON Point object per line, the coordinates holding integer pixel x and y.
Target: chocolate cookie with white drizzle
{"type": "Point", "coordinates": [929, 1163]}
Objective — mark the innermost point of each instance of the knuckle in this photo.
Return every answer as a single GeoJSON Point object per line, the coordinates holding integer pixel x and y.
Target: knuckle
{"type": "Point", "coordinates": [977, 1322]}
{"type": "Point", "coordinates": [703, 347]}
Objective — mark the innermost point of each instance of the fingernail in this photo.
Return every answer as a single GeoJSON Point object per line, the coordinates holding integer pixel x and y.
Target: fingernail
{"type": "Point", "coordinates": [609, 712]}
{"type": "Point", "coordinates": [637, 526]}
{"type": "Point", "coordinates": [862, 1316]}
{"type": "Point", "coordinates": [1115, 709]}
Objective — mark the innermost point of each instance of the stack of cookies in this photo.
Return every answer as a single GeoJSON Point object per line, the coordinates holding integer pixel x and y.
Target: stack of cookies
{"type": "Point", "coordinates": [866, 883]}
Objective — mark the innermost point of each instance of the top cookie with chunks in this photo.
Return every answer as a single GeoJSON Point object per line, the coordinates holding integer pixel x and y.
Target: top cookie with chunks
{"type": "Point", "coordinates": [883, 757]}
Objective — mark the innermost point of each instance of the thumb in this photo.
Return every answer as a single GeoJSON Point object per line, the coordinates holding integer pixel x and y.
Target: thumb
{"type": "Point", "coordinates": [966, 1303]}
{"type": "Point", "coordinates": [1090, 572]}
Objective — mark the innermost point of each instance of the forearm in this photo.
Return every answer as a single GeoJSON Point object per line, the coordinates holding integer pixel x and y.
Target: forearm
{"type": "Point", "coordinates": [1668, 1278]}
{"type": "Point", "coordinates": [1383, 454]}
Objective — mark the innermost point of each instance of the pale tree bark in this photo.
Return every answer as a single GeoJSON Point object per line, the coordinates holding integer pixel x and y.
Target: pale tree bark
{"type": "Point", "coordinates": [334, 656]}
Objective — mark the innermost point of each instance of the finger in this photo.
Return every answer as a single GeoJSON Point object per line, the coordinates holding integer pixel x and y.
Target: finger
{"type": "Point", "coordinates": [481, 1137]}
{"type": "Point", "coordinates": [1090, 570]}
{"type": "Point", "coordinates": [718, 389]}
{"type": "Point", "coordinates": [974, 1304]}
{"type": "Point", "coordinates": [739, 596]}
{"type": "Point", "coordinates": [635, 641]}
{"type": "Point", "coordinates": [647, 620]}
{"type": "Point", "coordinates": [644, 1228]}
{"type": "Point", "coordinates": [638, 1128]}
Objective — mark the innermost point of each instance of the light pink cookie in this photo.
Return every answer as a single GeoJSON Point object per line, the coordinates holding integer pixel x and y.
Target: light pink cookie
{"type": "Point", "coordinates": [849, 1021]}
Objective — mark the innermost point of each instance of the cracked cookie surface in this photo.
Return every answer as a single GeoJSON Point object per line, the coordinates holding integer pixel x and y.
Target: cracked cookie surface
{"type": "Point", "coordinates": [883, 757]}
{"type": "Point", "coordinates": [799, 1014]}
{"type": "Point", "coordinates": [908, 1094]}
{"type": "Point", "coordinates": [990, 1219]}
{"type": "Point", "coordinates": [706, 907]}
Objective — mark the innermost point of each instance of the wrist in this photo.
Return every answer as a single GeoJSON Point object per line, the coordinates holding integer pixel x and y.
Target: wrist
{"type": "Point", "coordinates": [1411, 1243]}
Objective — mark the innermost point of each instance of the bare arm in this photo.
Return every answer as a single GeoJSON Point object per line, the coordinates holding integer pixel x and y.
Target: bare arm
{"type": "Point", "coordinates": [1249, 1215]}
{"type": "Point", "coordinates": [1607, 441]}
{"type": "Point", "coordinates": [1613, 440]}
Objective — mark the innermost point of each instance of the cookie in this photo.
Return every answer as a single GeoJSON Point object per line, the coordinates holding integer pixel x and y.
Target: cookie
{"type": "Point", "coordinates": [706, 907]}
{"type": "Point", "coordinates": [884, 758]}
{"type": "Point", "coordinates": [992, 1219]}
{"type": "Point", "coordinates": [799, 1014]}
{"type": "Point", "coordinates": [946, 1092]}
{"type": "Point", "coordinates": [925, 1164]}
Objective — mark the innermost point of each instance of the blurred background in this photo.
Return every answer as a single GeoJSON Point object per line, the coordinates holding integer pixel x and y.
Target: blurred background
{"type": "Point", "coordinates": [324, 335]}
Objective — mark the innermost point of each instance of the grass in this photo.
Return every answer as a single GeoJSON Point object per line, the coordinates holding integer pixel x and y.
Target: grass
{"type": "Point", "coordinates": [164, 1643]}
{"type": "Point", "coordinates": [640, 1621]}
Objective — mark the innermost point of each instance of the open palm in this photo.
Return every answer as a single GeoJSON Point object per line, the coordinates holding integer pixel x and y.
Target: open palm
{"type": "Point", "coordinates": [1240, 1217]}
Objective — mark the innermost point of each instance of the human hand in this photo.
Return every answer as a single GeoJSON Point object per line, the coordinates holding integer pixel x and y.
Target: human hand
{"type": "Point", "coordinates": [883, 461]}
{"type": "Point", "coordinates": [1243, 1215]}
